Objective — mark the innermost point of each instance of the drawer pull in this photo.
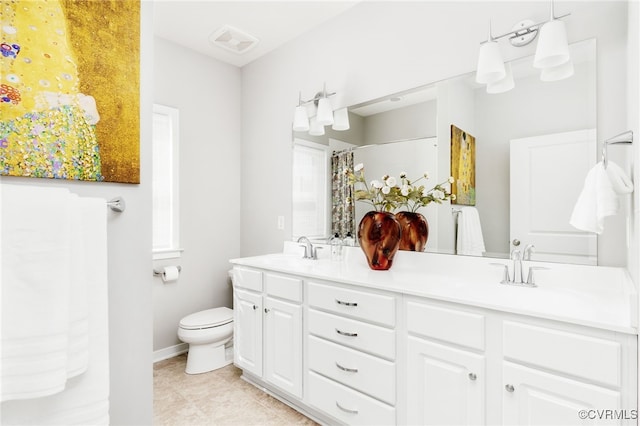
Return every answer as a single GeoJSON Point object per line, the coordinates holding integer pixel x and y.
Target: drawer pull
{"type": "Point", "coordinates": [344, 333]}
{"type": "Point", "coordinates": [346, 410]}
{"type": "Point", "coordinates": [510, 388]}
{"type": "Point", "coordinates": [340, 302]}
{"type": "Point", "coordinates": [472, 376]}
{"type": "Point", "coordinates": [348, 370]}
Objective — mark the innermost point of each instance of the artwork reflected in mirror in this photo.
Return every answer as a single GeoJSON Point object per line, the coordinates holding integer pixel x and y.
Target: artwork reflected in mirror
{"type": "Point", "coordinates": [411, 132]}
{"type": "Point", "coordinates": [463, 167]}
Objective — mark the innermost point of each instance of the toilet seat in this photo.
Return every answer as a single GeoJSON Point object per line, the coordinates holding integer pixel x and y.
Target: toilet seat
{"type": "Point", "coordinates": [209, 318]}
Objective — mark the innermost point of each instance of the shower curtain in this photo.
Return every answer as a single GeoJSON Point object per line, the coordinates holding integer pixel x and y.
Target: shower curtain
{"type": "Point", "coordinates": [342, 208]}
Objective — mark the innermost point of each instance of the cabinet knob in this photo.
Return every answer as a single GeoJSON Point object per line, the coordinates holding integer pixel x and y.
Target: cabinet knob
{"type": "Point", "coordinates": [510, 388]}
{"type": "Point", "coordinates": [266, 310]}
{"type": "Point", "coordinates": [472, 376]}
{"type": "Point", "coordinates": [255, 307]}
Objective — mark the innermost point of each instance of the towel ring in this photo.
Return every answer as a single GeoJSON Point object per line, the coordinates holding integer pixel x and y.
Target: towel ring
{"type": "Point", "coordinates": [622, 138]}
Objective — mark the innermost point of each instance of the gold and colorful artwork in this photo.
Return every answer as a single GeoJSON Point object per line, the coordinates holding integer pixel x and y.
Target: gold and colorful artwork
{"type": "Point", "coordinates": [69, 89]}
{"type": "Point", "coordinates": [463, 167]}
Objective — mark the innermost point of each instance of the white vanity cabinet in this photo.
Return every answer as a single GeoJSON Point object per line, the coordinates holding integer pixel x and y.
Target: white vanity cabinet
{"type": "Point", "coordinates": [445, 369]}
{"type": "Point", "coordinates": [268, 327]}
{"type": "Point", "coordinates": [351, 345]}
{"type": "Point", "coordinates": [345, 345]}
{"type": "Point", "coordinates": [551, 373]}
{"type": "Point", "coordinates": [247, 320]}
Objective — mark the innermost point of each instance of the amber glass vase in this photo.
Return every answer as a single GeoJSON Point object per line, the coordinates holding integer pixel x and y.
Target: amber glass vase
{"type": "Point", "coordinates": [415, 231]}
{"type": "Point", "coordinates": [379, 236]}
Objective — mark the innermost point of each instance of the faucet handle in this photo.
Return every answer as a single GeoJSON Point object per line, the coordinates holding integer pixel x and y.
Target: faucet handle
{"type": "Point", "coordinates": [306, 254]}
{"type": "Point", "coordinates": [530, 278]}
{"type": "Point", "coordinates": [505, 273]}
{"type": "Point", "coordinates": [315, 252]}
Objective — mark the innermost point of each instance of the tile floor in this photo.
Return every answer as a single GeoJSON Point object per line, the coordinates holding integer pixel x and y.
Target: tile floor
{"type": "Point", "coordinates": [220, 397]}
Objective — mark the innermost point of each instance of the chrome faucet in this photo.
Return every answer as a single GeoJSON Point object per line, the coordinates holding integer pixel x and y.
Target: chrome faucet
{"type": "Point", "coordinates": [516, 257]}
{"type": "Point", "coordinates": [518, 273]}
{"type": "Point", "coordinates": [310, 252]}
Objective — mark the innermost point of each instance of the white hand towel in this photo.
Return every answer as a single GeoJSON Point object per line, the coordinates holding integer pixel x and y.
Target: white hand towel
{"type": "Point", "coordinates": [35, 227]}
{"type": "Point", "coordinates": [599, 197]}
{"type": "Point", "coordinates": [85, 400]}
{"type": "Point", "coordinates": [620, 182]}
{"type": "Point", "coordinates": [469, 240]}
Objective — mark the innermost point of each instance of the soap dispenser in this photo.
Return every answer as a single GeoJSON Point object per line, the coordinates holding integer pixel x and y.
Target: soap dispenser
{"type": "Point", "coordinates": [336, 247]}
{"type": "Point", "coordinates": [348, 240]}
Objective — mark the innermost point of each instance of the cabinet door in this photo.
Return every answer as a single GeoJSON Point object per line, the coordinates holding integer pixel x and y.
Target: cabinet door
{"type": "Point", "coordinates": [532, 397]}
{"type": "Point", "coordinates": [247, 329]}
{"type": "Point", "coordinates": [283, 345]}
{"type": "Point", "coordinates": [445, 385]}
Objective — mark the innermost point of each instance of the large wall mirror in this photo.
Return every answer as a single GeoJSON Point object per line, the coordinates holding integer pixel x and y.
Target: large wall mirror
{"type": "Point", "coordinates": [534, 145]}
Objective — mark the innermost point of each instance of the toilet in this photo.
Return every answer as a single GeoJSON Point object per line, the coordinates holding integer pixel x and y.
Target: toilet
{"type": "Point", "coordinates": [207, 332]}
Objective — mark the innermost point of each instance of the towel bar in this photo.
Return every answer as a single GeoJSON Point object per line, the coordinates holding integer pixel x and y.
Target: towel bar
{"type": "Point", "coordinates": [117, 204]}
{"type": "Point", "coordinates": [626, 138]}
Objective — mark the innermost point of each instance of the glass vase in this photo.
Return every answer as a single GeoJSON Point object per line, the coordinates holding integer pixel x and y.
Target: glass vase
{"type": "Point", "coordinates": [379, 235]}
{"type": "Point", "coordinates": [415, 231]}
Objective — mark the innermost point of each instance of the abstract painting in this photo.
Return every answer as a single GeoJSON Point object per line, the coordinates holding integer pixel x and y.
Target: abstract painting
{"type": "Point", "coordinates": [463, 167]}
{"type": "Point", "coordinates": [70, 89]}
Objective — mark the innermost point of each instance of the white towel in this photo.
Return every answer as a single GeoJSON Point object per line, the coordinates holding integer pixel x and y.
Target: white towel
{"type": "Point", "coordinates": [35, 290]}
{"type": "Point", "coordinates": [85, 399]}
{"type": "Point", "coordinates": [469, 240]}
{"type": "Point", "coordinates": [599, 197]}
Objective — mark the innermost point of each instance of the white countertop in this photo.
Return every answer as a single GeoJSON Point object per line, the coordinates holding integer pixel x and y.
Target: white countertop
{"type": "Point", "coordinates": [594, 296]}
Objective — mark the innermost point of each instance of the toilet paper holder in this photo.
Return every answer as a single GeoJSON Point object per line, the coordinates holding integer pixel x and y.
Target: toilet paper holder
{"type": "Point", "coordinates": [158, 272]}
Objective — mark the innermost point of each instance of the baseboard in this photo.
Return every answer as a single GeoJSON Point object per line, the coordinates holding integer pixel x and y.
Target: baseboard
{"type": "Point", "coordinates": [170, 352]}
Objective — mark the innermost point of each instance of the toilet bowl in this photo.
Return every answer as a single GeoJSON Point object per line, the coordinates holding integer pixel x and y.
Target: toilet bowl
{"type": "Point", "coordinates": [207, 332]}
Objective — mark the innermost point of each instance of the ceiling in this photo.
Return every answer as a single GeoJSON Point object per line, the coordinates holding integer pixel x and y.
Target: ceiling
{"type": "Point", "coordinates": [190, 23]}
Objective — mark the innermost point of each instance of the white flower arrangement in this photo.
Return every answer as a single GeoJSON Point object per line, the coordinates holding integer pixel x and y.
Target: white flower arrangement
{"type": "Point", "coordinates": [386, 195]}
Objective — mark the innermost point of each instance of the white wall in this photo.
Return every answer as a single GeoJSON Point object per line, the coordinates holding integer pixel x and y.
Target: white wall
{"type": "Point", "coordinates": [207, 94]}
{"type": "Point", "coordinates": [129, 263]}
{"type": "Point", "coordinates": [400, 45]}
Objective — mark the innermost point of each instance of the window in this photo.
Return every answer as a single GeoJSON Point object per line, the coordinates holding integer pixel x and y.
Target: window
{"type": "Point", "coordinates": [166, 241]}
{"type": "Point", "coordinates": [310, 189]}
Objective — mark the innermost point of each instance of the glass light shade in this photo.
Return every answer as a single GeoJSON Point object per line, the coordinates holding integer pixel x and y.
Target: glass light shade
{"type": "Point", "coordinates": [300, 119]}
{"type": "Point", "coordinates": [552, 49]}
{"type": "Point", "coordinates": [341, 119]}
{"type": "Point", "coordinates": [325, 112]}
{"type": "Point", "coordinates": [557, 73]}
{"type": "Point", "coordinates": [503, 85]}
{"type": "Point", "coordinates": [315, 128]}
{"type": "Point", "coordinates": [490, 63]}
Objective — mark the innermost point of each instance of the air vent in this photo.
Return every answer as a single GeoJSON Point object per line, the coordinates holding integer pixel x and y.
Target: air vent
{"type": "Point", "coordinates": [233, 40]}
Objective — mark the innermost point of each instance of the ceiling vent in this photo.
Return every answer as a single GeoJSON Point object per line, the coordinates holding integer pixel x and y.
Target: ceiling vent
{"type": "Point", "coordinates": [233, 40]}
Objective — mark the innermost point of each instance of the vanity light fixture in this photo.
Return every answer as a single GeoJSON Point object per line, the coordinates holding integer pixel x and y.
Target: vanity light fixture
{"type": "Point", "coordinates": [324, 115]}
{"type": "Point", "coordinates": [300, 118]}
{"type": "Point", "coordinates": [552, 53]}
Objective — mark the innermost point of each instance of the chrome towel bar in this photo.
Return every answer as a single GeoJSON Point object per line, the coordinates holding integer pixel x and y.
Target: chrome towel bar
{"type": "Point", "coordinates": [117, 204]}
{"type": "Point", "coordinates": [626, 138]}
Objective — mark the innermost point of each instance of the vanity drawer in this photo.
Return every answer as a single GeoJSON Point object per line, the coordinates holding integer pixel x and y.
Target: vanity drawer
{"type": "Point", "coordinates": [369, 374]}
{"type": "Point", "coordinates": [347, 405]}
{"type": "Point", "coordinates": [355, 334]}
{"type": "Point", "coordinates": [446, 324]}
{"type": "Point", "coordinates": [282, 286]}
{"type": "Point", "coordinates": [591, 358]}
{"type": "Point", "coordinates": [368, 306]}
{"type": "Point", "coordinates": [247, 278]}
